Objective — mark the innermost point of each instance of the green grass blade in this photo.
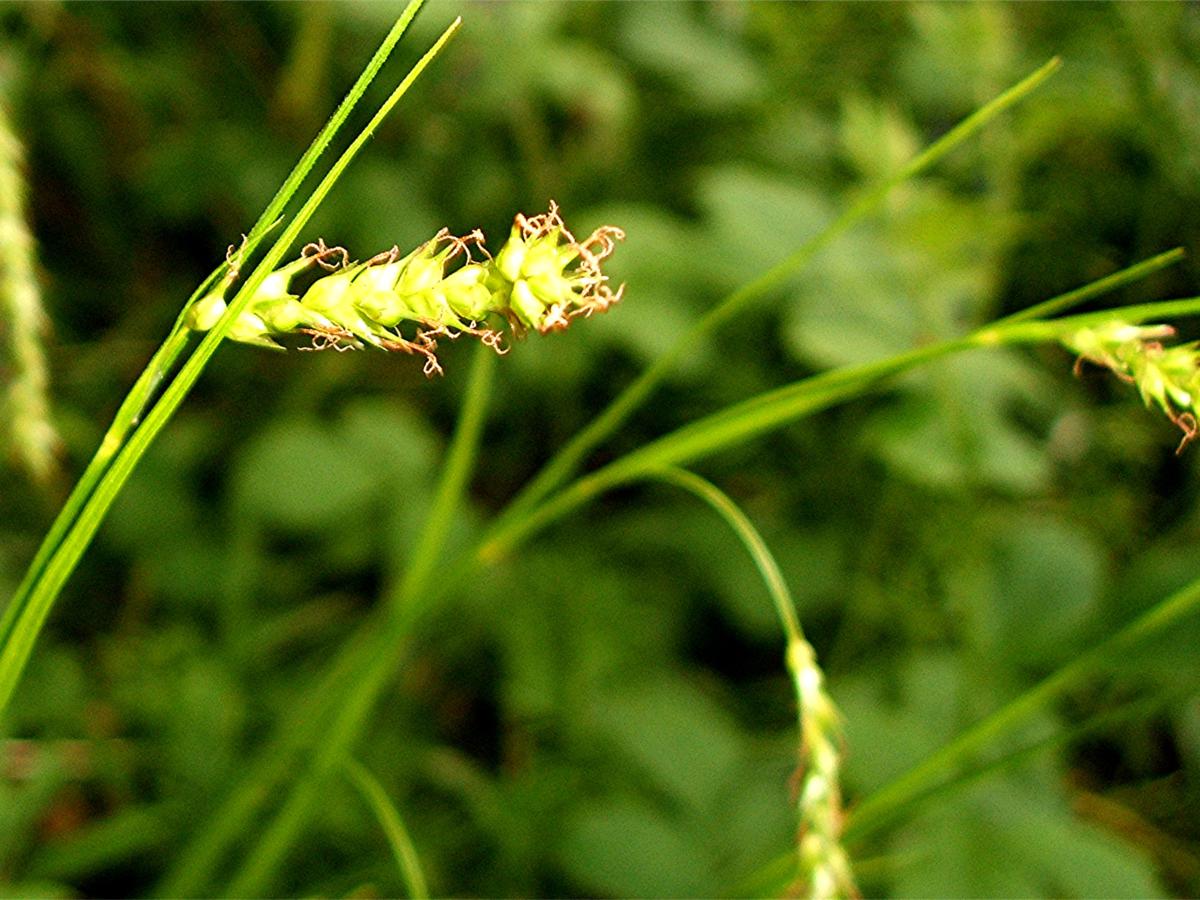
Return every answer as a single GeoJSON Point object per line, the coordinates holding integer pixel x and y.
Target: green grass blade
{"type": "Point", "coordinates": [193, 872]}
{"type": "Point", "coordinates": [304, 795]}
{"type": "Point", "coordinates": [740, 524]}
{"type": "Point", "coordinates": [1063, 302]}
{"type": "Point", "coordinates": [873, 811]}
{"type": "Point", "coordinates": [760, 414]}
{"type": "Point", "coordinates": [398, 838]}
{"type": "Point", "coordinates": [165, 356]}
{"type": "Point", "coordinates": [1129, 712]}
{"type": "Point", "coordinates": [25, 622]}
{"type": "Point", "coordinates": [1055, 329]}
{"type": "Point", "coordinates": [569, 458]}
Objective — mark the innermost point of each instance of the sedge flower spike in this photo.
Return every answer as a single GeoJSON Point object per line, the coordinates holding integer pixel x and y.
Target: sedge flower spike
{"type": "Point", "coordinates": [1166, 377]}
{"type": "Point", "coordinates": [541, 280]}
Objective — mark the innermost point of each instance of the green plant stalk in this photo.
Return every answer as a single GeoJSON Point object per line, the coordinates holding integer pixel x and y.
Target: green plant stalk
{"type": "Point", "coordinates": [572, 455]}
{"type": "Point", "coordinates": [460, 463]}
{"type": "Point", "coordinates": [401, 843]}
{"type": "Point", "coordinates": [85, 508]}
{"type": "Point", "coordinates": [305, 793]}
{"type": "Point", "coordinates": [190, 875]}
{"type": "Point", "coordinates": [823, 868]}
{"type": "Point", "coordinates": [742, 421]}
{"type": "Point", "coordinates": [1063, 302]}
{"type": "Point", "coordinates": [1021, 332]}
{"type": "Point", "coordinates": [1130, 712]}
{"type": "Point", "coordinates": [874, 811]}
{"type": "Point", "coordinates": [340, 723]}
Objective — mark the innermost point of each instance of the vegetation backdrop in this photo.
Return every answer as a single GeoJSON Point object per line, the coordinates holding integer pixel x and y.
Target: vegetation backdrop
{"type": "Point", "coordinates": [606, 711]}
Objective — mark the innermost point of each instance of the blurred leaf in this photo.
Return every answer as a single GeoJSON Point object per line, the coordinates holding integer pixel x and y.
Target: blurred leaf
{"type": "Point", "coordinates": [1039, 558]}
{"type": "Point", "coordinates": [960, 429]}
{"type": "Point", "coordinates": [667, 38]}
{"type": "Point", "coordinates": [626, 848]}
{"type": "Point", "coordinates": [1035, 847]}
{"type": "Point", "coordinates": [672, 733]}
{"type": "Point", "coordinates": [310, 476]}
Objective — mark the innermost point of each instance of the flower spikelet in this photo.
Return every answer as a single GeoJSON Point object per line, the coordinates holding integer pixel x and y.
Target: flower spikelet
{"type": "Point", "coordinates": [554, 278]}
{"type": "Point", "coordinates": [1165, 377]}
{"type": "Point", "coordinates": [824, 866]}
{"type": "Point", "coordinates": [23, 324]}
{"type": "Point", "coordinates": [449, 286]}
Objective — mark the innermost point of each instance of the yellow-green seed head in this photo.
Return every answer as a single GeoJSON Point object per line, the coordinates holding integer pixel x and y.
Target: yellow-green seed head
{"type": "Point", "coordinates": [540, 280]}
{"type": "Point", "coordinates": [511, 258]}
{"type": "Point", "coordinates": [379, 278]}
{"type": "Point", "coordinates": [287, 314]}
{"type": "Point", "coordinates": [467, 293]}
{"type": "Point", "coordinates": [332, 297]}
{"type": "Point", "coordinates": [248, 328]}
{"type": "Point", "coordinates": [421, 273]}
{"type": "Point", "coordinates": [206, 312]}
{"type": "Point", "coordinates": [529, 310]}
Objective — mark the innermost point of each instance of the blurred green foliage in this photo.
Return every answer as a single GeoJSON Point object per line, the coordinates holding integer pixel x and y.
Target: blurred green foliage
{"type": "Point", "coordinates": [608, 713]}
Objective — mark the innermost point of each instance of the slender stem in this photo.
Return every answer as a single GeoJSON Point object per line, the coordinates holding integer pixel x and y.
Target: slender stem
{"type": "Point", "coordinates": [873, 811]}
{"type": "Point", "coordinates": [398, 837]}
{"type": "Point", "coordinates": [733, 424]}
{"type": "Point", "coordinates": [168, 352]}
{"type": "Point", "coordinates": [1063, 302]}
{"type": "Point", "coordinates": [460, 462]}
{"type": "Point", "coordinates": [1055, 329]}
{"type": "Point", "coordinates": [824, 868]}
{"type": "Point", "coordinates": [191, 872]}
{"type": "Point", "coordinates": [741, 525]}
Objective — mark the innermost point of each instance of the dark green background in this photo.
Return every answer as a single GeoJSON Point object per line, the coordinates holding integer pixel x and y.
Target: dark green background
{"type": "Point", "coordinates": [608, 713]}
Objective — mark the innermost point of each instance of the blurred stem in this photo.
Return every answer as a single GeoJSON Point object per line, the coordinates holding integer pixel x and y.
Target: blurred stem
{"type": "Point", "coordinates": [1131, 712]}
{"type": "Point", "coordinates": [823, 867]}
{"type": "Point", "coordinates": [401, 843]}
{"type": "Point", "coordinates": [1062, 303]}
{"type": "Point", "coordinates": [298, 99]}
{"type": "Point", "coordinates": [376, 661]}
{"type": "Point", "coordinates": [569, 458]}
{"type": "Point", "coordinates": [772, 879]}
{"type": "Point", "coordinates": [460, 463]}
{"type": "Point", "coordinates": [192, 871]}
{"type": "Point", "coordinates": [767, 411]}
{"type": "Point", "coordinates": [869, 815]}
{"type": "Point", "coordinates": [764, 560]}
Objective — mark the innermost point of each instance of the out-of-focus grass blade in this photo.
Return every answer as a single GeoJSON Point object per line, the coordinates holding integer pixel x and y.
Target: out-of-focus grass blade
{"type": "Point", "coordinates": [393, 827]}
